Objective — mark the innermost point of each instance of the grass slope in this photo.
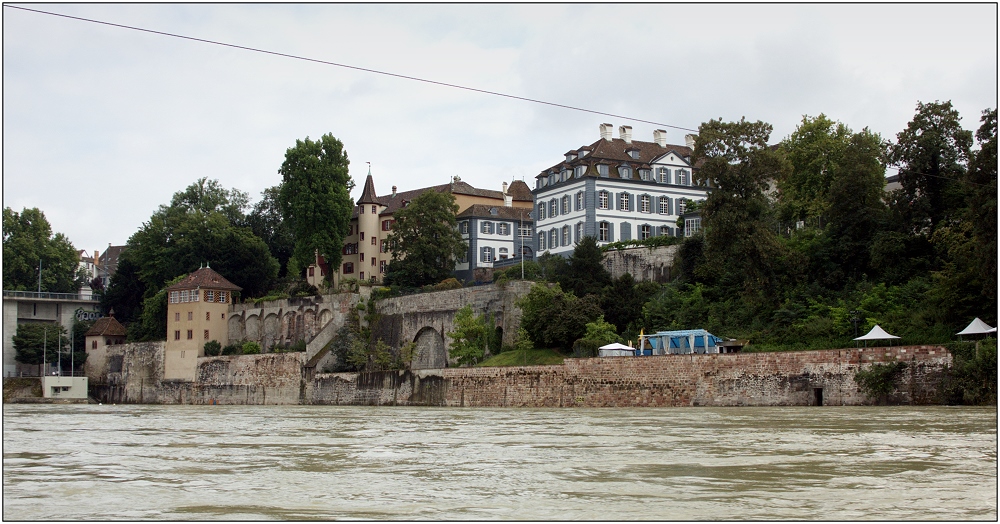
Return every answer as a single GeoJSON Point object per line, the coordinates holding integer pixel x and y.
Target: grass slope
{"type": "Point", "coordinates": [532, 357]}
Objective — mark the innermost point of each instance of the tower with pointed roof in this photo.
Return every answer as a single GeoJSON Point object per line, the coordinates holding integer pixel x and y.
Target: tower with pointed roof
{"type": "Point", "coordinates": [196, 314]}
{"type": "Point", "coordinates": [365, 253]}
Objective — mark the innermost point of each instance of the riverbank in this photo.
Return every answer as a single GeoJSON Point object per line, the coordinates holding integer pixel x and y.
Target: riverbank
{"type": "Point", "coordinates": [799, 378]}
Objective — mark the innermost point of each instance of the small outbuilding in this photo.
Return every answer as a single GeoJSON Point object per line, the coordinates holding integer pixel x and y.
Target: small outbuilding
{"type": "Point", "coordinates": [680, 342]}
{"type": "Point", "coordinates": [615, 350]}
{"type": "Point", "coordinates": [877, 333]}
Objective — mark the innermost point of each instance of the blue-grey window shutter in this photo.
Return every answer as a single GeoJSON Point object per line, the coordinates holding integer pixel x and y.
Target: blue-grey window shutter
{"type": "Point", "coordinates": [626, 231]}
{"type": "Point", "coordinates": [631, 202]}
{"type": "Point", "coordinates": [670, 206]}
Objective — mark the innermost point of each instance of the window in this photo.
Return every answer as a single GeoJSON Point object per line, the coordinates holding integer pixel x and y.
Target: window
{"type": "Point", "coordinates": [579, 231]}
{"type": "Point", "coordinates": [553, 179]}
{"type": "Point", "coordinates": [190, 315]}
{"type": "Point", "coordinates": [541, 211]}
{"type": "Point", "coordinates": [373, 240]}
{"type": "Point", "coordinates": [350, 230]}
{"type": "Point", "coordinates": [540, 183]}
{"type": "Point", "coordinates": [625, 172]}
{"type": "Point", "coordinates": [602, 170]}
{"type": "Point", "coordinates": [682, 177]}
{"type": "Point", "coordinates": [382, 248]}
{"type": "Point", "coordinates": [664, 175]}
{"type": "Point", "coordinates": [386, 225]}
{"type": "Point", "coordinates": [348, 268]}
{"type": "Point", "coordinates": [602, 200]}
{"type": "Point", "coordinates": [177, 317]}
{"type": "Point", "coordinates": [564, 175]}
{"type": "Point", "coordinates": [175, 297]}
{"type": "Point", "coordinates": [311, 270]}
{"type": "Point", "coordinates": [524, 231]}
{"type": "Point", "coordinates": [362, 275]}
{"type": "Point", "coordinates": [487, 228]}
{"type": "Point", "coordinates": [553, 208]}
{"type": "Point", "coordinates": [185, 296]}
{"type": "Point", "coordinates": [486, 254]}
{"type": "Point", "coordinates": [644, 204]}
{"type": "Point", "coordinates": [206, 334]}
{"type": "Point", "coordinates": [373, 210]}
{"type": "Point", "coordinates": [502, 253]}
{"type": "Point", "coordinates": [645, 231]}
{"type": "Point", "coordinates": [177, 336]}
{"type": "Point", "coordinates": [565, 204]}
{"type": "Point", "coordinates": [93, 343]}
{"type": "Point", "coordinates": [578, 171]}
{"type": "Point", "coordinates": [665, 231]}
{"type": "Point", "coordinates": [665, 208]}
{"type": "Point", "coordinates": [503, 229]}
{"type": "Point", "coordinates": [565, 236]}
{"type": "Point", "coordinates": [464, 227]}
{"type": "Point", "coordinates": [645, 174]}
{"type": "Point", "coordinates": [362, 236]}
{"type": "Point", "coordinates": [553, 238]}
{"type": "Point", "coordinates": [222, 297]}
{"type": "Point", "coordinates": [362, 257]}
{"type": "Point", "coordinates": [623, 202]}
{"type": "Point", "coordinates": [351, 249]}
{"type": "Point", "coordinates": [373, 261]}
{"type": "Point", "coordinates": [190, 334]}
{"type": "Point", "coordinates": [579, 201]}
{"type": "Point", "coordinates": [541, 242]}
{"type": "Point", "coordinates": [691, 226]}
{"type": "Point", "coordinates": [634, 153]}
{"type": "Point", "coordinates": [464, 259]}
{"type": "Point", "coordinates": [382, 266]}
{"type": "Point", "coordinates": [208, 315]}
{"type": "Point", "coordinates": [604, 232]}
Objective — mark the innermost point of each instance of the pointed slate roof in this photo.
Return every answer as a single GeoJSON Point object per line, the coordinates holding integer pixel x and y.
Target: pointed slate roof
{"type": "Point", "coordinates": [106, 326]}
{"type": "Point", "coordinates": [205, 277]}
{"type": "Point", "coordinates": [368, 195]}
{"type": "Point", "coordinates": [977, 327]}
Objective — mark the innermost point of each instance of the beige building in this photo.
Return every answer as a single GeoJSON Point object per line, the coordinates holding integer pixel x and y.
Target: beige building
{"type": "Point", "coordinates": [365, 253]}
{"type": "Point", "coordinates": [196, 314]}
{"type": "Point", "coordinates": [105, 332]}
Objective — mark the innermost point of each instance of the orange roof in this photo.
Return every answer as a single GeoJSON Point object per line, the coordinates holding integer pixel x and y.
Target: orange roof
{"type": "Point", "coordinates": [106, 326]}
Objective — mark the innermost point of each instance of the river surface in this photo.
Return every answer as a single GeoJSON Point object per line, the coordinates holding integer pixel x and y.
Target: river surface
{"type": "Point", "coordinates": [135, 462]}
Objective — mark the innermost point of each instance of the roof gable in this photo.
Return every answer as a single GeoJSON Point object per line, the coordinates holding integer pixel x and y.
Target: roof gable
{"type": "Point", "coordinates": [205, 277]}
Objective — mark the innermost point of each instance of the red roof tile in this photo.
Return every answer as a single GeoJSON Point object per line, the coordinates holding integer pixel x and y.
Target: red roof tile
{"type": "Point", "coordinates": [205, 277]}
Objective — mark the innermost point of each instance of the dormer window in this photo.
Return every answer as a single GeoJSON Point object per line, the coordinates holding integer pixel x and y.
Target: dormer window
{"type": "Point", "coordinates": [583, 153]}
{"type": "Point", "coordinates": [552, 179]}
{"type": "Point", "coordinates": [625, 172]}
{"type": "Point", "coordinates": [602, 170]}
{"type": "Point", "coordinates": [645, 174]}
{"type": "Point", "coordinates": [564, 175]}
{"type": "Point", "coordinates": [634, 153]}
{"type": "Point", "coordinates": [570, 157]}
{"type": "Point", "coordinates": [579, 170]}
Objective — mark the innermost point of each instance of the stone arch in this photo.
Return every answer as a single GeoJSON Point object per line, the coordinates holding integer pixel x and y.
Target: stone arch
{"type": "Point", "coordinates": [253, 328]}
{"type": "Point", "coordinates": [325, 316]}
{"type": "Point", "coordinates": [309, 327]}
{"type": "Point", "coordinates": [430, 351]}
{"type": "Point", "coordinates": [236, 330]}
{"type": "Point", "coordinates": [272, 328]}
{"type": "Point", "coordinates": [290, 325]}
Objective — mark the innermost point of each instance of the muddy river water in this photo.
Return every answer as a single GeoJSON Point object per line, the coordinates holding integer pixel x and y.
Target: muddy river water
{"type": "Point", "coordinates": [135, 462]}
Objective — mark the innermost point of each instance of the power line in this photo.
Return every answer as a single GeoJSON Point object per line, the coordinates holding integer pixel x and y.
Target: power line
{"type": "Point", "coordinates": [367, 70]}
{"type": "Point", "coordinates": [898, 170]}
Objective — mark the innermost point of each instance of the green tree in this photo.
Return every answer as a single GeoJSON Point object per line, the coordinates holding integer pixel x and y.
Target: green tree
{"type": "Point", "coordinates": [28, 240]}
{"type": "Point", "coordinates": [556, 319]}
{"type": "Point", "coordinates": [815, 151]}
{"type": "Point", "coordinates": [315, 198]}
{"type": "Point", "coordinates": [125, 292]}
{"type": "Point", "coordinates": [982, 209]}
{"type": "Point", "coordinates": [741, 248]}
{"type": "Point", "coordinates": [622, 302]}
{"type": "Point", "coordinates": [424, 241]}
{"type": "Point", "coordinates": [36, 341]}
{"type": "Point", "coordinates": [931, 154]}
{"type": "Point", "coordinates": [584, 273]}
{"type": "Point", "coordinates": [267, 223]}
{"type": "Point", "coordinates": [470, 338]}
{"type": "Point", "coordinates": [601, 332]}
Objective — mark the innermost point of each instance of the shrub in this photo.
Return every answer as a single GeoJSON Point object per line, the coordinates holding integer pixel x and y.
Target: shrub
{"type": "Point", "coordinates": [212, 348]}
{"type": "Point", "coordinates": [585, 348]}
{"type": "Point", "coordinates": [251, 348]}
{"type": "Point", "coordinates": [879, 380]}
{"type": "Point", "coordinates": [446, 284]}
{"type": "Point", "coordinates": [234, 348]}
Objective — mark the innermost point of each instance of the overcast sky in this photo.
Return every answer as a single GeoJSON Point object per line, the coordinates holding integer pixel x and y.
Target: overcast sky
{"type": "Point", "coordinates": [101, 124]}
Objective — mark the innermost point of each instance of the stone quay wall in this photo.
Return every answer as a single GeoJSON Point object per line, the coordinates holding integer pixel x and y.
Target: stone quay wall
{"type": "Point", "coordinates": [645, 264]}
{"type": "Point", "coordinates": [743, 379]}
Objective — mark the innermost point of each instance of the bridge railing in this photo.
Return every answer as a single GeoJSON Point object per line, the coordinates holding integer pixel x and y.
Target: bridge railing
{"type": "Point", "coordinates": [50, 296]}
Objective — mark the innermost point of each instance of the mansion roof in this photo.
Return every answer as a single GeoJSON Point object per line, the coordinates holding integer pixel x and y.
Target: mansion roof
{"type": "Point", "coordinates": [205, 277]}
{"type": "Point", "coordinates": [615, 152]}
{"type": "Point", "coordinates": [518, 190]}
{"type": "Point", "coordinates": [496, 212]}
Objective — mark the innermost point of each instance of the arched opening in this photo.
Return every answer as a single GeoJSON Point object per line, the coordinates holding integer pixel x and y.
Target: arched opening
{"type": "Point", "coordinates": [430, 351]}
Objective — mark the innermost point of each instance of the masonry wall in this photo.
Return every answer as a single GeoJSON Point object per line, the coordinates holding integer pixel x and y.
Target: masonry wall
{"type": "Point", "coordinates": [748, 379]}
{"type": "Point", "coordinates": [643, 263]}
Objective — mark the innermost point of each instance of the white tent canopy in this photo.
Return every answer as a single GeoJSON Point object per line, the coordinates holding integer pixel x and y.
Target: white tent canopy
{"type": "Point", "coordinates": [877, 333]}
{"type": "Point", "coordinates": [614, 345]}
{"type": "Point", "coordinates": [977, 327]}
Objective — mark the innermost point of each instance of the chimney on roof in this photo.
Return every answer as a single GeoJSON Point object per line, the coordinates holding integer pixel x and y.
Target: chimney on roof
{"type": "Point", "coordinates": [503, 188]}
{"type": "Point", "coordinates": [394, 191]}
{"type": "Point", "coordinates": [625, 133]}
{"type": "Point", "coordinates": [689, 140]}
{"type": "Point", "coordinates": [606, 131]}
{"type": "Point", "coordinates": [660, 137]}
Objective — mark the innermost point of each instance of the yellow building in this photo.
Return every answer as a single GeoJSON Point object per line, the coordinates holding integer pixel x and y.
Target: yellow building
{"type": "Point", "coordinates": [196, 314]}
{"type": "Point", "coordinates": [365, 255]}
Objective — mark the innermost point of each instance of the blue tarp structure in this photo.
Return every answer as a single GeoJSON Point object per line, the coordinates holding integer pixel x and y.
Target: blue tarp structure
{"type": "Point", "coordinates": [680, 342]}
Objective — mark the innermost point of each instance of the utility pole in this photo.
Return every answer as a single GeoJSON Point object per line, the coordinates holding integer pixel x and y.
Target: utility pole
{"type": "Point", "coordinates": [39, 275]}
{"type": "Point", "coordinates": [45, 337]}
